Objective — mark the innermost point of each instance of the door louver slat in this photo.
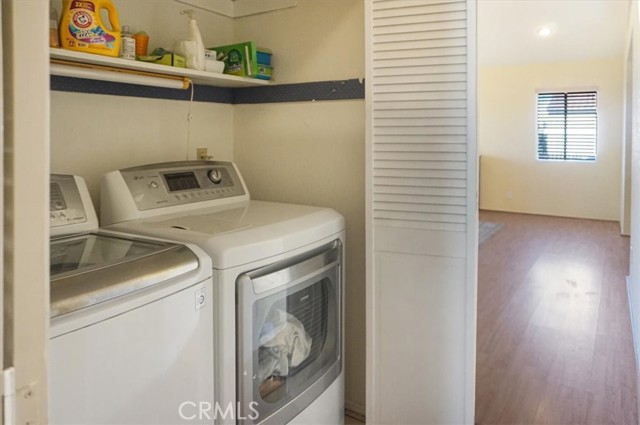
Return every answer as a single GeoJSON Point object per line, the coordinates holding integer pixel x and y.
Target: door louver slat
{"type": "Point", "coordinates": [424, 37]}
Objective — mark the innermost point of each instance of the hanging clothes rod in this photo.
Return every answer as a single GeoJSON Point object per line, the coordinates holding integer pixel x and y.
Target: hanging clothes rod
{"type": "Point", "coordinates": [117, 75]}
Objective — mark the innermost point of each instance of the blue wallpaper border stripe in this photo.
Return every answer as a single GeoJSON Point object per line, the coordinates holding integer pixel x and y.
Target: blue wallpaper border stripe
{"type": "Point", "coordinates": [301, 92]}
{"type": "Point", "coordinates": [81, 85]}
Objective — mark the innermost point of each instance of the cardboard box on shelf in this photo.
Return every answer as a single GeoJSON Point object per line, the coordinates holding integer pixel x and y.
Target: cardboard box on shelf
{"type": "Point", "coordinates": [240, 59]}
{"type": "Point", "coordinates": [170, 59]}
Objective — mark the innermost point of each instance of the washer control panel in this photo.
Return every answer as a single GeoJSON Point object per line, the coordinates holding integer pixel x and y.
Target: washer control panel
{"type": "Point", "coordinates": [168, 184]}
{"type": "Point", "coordinates": [65, 203]}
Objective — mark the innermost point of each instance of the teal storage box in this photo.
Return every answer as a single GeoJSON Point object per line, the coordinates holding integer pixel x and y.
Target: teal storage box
{"type": "Point", "coordinates": [264, 56]}
{"type": "Point", "coordinates": [240, 59]}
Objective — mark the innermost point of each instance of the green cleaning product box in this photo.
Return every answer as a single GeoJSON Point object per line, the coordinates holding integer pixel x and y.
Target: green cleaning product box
{"type": "Point", "coordinates": [240, 59]}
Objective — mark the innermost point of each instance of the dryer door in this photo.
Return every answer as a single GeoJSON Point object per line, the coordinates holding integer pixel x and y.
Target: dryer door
{"type": "Point", "coordinates": [289, 335]}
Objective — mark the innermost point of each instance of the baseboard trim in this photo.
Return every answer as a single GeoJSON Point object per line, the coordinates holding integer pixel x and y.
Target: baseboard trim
{"type": "Point", "coordinates": [542, 214]}
{"type": "Point", "coordinates": [355, 410]}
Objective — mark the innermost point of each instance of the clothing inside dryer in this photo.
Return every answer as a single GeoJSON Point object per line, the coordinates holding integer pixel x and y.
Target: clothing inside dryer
{"type": "Point", "coordinates": [292, 341]}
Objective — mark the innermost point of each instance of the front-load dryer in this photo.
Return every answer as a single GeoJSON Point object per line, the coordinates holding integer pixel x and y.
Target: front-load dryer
{"type": "Point", "coordinates": [278, 279]}
{"type": "Point", "coordinates": [131, 334]}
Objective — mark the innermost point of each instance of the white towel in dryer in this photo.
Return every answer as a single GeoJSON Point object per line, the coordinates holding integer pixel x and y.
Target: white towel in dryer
{"type": "Point", "coordinates": [284, 343]}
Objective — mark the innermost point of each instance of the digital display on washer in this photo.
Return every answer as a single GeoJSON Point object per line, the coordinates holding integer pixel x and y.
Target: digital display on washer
{"type": "Point", "coordinates": [181, 181]}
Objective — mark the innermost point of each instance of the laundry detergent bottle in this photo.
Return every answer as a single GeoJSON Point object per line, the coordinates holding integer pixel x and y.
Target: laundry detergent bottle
{"type": "Point", "coordinates": [82, 29]}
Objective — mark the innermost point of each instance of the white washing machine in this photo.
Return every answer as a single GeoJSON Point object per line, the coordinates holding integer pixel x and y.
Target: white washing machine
{"type": "Point", "coordinates": [278, 281]}
{"type": "Point", "coordinates": [131, 335]}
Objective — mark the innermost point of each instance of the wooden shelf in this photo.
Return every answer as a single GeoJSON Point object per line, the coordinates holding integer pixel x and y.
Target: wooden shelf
{"type": "Point", "coordinates": [197, 77]}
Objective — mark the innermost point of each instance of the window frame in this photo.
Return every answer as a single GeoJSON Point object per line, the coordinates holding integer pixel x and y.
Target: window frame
{"type": "Point", "coordinates": [537, 123]}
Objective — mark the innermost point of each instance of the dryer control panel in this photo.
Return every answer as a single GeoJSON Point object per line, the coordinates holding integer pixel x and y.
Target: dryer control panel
{"type": "Point", "coordinates": [178, 183]}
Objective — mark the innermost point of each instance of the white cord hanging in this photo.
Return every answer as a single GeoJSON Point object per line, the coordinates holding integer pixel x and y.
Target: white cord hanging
{"type": "Point", "coordinates": [189, 118]}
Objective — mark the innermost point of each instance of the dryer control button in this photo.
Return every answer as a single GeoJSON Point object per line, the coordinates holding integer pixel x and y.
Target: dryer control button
{"type": "Point", "coordinates": [215, 176]}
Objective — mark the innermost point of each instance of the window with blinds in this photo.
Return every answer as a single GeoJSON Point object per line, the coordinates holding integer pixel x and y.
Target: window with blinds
{"type": "Point", "coordinates": [567, 126]}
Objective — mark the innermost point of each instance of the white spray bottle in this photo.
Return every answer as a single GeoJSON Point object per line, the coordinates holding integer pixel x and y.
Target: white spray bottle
{"type": "Point", "coordinates": [195, 51]}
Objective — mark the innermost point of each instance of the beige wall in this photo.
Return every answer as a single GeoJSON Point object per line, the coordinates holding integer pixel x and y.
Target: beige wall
{"type": "Point", "coordinates": [161, 19]}
{"type": "Point", "coordinates": [507, 142]}
{"type": "Point", "coordinates": [131, 131]}
{"type": "Point", "coordinates": [313, 152]}
{"type": "Point", "coordinates": [318, 40]}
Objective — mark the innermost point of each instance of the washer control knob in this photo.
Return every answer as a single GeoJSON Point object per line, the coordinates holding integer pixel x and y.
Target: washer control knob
{"type": "Point", "coordinates": [215, 176]}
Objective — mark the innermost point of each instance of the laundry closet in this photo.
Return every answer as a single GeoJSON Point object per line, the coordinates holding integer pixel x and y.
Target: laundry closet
{"type": "Point", "coordinates": [303, 150]}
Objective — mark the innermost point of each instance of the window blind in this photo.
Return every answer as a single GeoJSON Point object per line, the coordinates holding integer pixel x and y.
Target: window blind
{"type": "Point", "coordinates": [567, 126]}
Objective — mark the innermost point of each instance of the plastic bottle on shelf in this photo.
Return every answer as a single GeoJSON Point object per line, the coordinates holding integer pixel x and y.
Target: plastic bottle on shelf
{"type": "Point", "coordinates": [54, 39]}
{"type": "Point", "coordinates": [142, 43]}
{"type": "Point", "coordinates": [82, 28]}
{"type": "Point", "coordinates": [194, 48]}
{"type": "Point", "coordinates": [128, 44]}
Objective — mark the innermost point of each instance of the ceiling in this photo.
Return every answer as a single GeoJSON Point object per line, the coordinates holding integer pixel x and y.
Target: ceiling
{"type": "Point", "coordinates": [581, 30]}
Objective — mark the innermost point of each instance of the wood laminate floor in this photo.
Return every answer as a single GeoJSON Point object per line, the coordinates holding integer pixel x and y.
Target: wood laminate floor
{"type": "Point", "coordinates": [555, 344]}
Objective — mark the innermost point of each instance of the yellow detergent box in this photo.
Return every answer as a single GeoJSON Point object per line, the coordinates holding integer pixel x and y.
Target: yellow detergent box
{"type": "Point", "coordinates": [240, 59]}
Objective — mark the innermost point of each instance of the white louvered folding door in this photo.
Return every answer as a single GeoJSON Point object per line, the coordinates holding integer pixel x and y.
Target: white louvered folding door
{"type": "Point", "coordinates": [421, 211]}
